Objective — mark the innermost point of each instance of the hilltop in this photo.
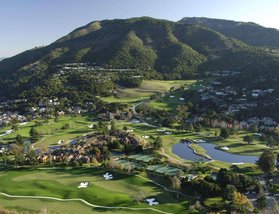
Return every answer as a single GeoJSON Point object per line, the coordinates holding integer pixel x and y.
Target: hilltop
{"type": "Point", "coordinates": [247, 32]}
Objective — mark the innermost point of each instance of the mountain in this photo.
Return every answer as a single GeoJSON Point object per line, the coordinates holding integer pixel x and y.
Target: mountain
{"type": "Point", "coordinates": [143, 43]}
{"type": "Point", "coordinates": [145, 46]}
{"type": "Point", "coordinates": [247, 32]}
{"type": "Point", "coordinates": [1, 58]}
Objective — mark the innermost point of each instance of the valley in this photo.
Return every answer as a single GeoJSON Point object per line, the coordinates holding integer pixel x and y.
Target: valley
{"type": "Point", "coordinates": [54, 138]}
{"type": "Point", "coordinates": [143, 115]}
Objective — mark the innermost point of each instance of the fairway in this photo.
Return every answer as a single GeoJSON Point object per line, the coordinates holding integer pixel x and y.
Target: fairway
{"type": "Point", "coordinates": [147, 88]}
{"type": "Point", "coordinates": [52, 131]}
{"type": "Point", "coordinates": [63, 184]}
{"type": "Point", "coordinates": [234, 142]}
{"type": "Point", "coordinates": [52, 206]}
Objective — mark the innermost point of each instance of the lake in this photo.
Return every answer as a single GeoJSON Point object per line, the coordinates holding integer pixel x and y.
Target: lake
{"type": "Point", "coordinates": [182, 150]}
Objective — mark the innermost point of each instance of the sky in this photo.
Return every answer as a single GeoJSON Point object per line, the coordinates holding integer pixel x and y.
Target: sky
{"type": "Point", "coordinates": [25, 24]}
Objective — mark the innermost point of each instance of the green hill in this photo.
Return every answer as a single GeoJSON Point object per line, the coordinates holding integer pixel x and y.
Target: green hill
{"type": "Point", "coordinates": [143, 46]}
{"type": "Point", "coordinates": [144, 43]}
{"type": "Point", "coordinates": [247, 32]}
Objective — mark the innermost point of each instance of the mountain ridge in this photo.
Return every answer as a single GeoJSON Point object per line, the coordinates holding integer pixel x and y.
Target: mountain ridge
{"type": "Point", "coordinates": [153, 47]}
{"type": "Point", "coordinates": [100, 42]}
{"type": "Point", "coordinates": [248, 32]}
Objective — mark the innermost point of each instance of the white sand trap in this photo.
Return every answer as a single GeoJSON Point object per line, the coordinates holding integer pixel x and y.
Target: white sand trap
{"type": "Point", "coordinates": [200, 141]}
{"type": "Point", "coordinates": [6, 133]}
{"type": "Point", "coordinates": [146, 136]}
{"type": "Point", "coordinates": [108, 176]}
{"type": "Point", "coordinates": [22, 124]}
{"type": "Point", "coordinates": [240, 163]}
{"type": "Point", "coordinates": [225, 148]}
{"type": "Point", "coordinates": [167, 133]}
{"type": "Point", "coordinates": [151, 201]}
{"type": "Point", "coordinates": [83, 185]}
{"type": "Point", "coordinates": [59, 142]}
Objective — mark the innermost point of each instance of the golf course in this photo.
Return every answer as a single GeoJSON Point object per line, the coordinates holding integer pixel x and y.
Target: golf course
{"type": "Point", "coordinates": [55, 190]}
{"type": "Point", "coordinates": [101, 195]}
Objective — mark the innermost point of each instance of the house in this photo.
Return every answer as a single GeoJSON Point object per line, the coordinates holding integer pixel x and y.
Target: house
{"type": "Point", "coordinates": [254, 121]}
{"type": "Point", "coordinates": [268, 122]}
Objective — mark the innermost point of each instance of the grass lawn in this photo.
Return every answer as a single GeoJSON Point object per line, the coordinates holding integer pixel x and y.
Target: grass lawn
{"type": "Point", "coordinates": [247, 168]}
{"type": "Point", "coordinates": [51, 206]}
{"type": "Point", "coordinates": [214, 203]}
{"type": "Point", "coordinates": [234, 142]}
{"type": "Point", "coordinates": [51, 131]}
{"type": "Point", "coordinates": [170, 103]}
{"type": "Point", "coordinates": [147, 88]}
{"type": "Point", "coordinates": [200, 150]}
{"type": "Point", "coordinates": [238, 146]}
{"type": "Point", "coordinates": [63, 184]}
{"type": "Point", "coordinates": [168, 140]}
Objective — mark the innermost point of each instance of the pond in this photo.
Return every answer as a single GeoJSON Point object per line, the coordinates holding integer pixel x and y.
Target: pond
{"type": "Point", "coordinates": [182, 150]}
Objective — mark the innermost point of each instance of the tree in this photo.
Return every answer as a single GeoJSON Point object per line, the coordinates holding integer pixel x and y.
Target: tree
{"type": "Point", "coordinates": [267, 161]}
{"type": "Point", "coordinates": [176, 185]}
{"type": "Point", "coordinates": [270, 141]}
{"type": "Point", "coordinates": [261, 202]}
{"type": "Point", "coordinates": [228, 192]}
{"type": "Point", "coordinates": [95, 126]}
{"type": "Point", "coordinates": [95, 162]}
{"type": "Point", "coordinates": [138, 197]}
{"type": "Point", "coordinates": [113, 125]}
{"type": "Point", "coordinates": [198, 127]}
{"type": "Point", "coordinates": [248, 138]}
{"type": "Point", "coordinates": [182, 112]}
{"type": "Point", "coordinates": [190, 127]}
{"type": "Point", "coordinates": [158, 143]}
{"type": "Point", "coordinates": [19, 139]}
{"type": "Point", "coordinates": [276, 130]}
{"type": "Point", "coordinates": [18, 152]}
{"type": "Point", "coordinates": [254, 128]}
{"type": "Point", "coordinates": [4, 157]}
{"type": "Point", "coordinates": [224, 133]}
{"type": "Point", "coordinates": [19, 159]}
{"type": "Point", "coordinates": [241, 203]}
{"type": "Point", "coordinates": [112, 163]}
{"type": "Point", "coordinates": [14, 127]}
{"type": "Point", "coordinates": [33, 133]}
{"type": "Point", "coordinates": [32, 157]}
{"type": "Point", "coordinates": [65, 126]}
{"type": "Point", "coordinates": [105, 130]}
{"type": "Point", "coordinates": [216, 133]}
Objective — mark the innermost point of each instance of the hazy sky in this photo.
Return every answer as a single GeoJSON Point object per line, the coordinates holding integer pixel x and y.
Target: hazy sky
{"type": "Point", "coordinates": [28, 23]}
